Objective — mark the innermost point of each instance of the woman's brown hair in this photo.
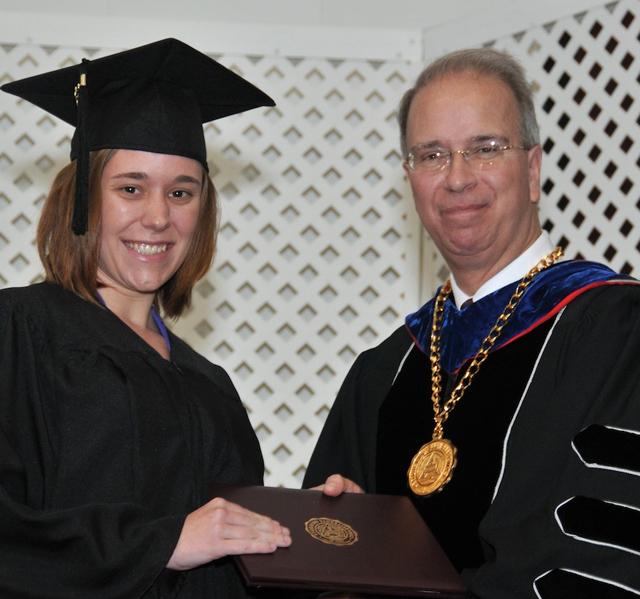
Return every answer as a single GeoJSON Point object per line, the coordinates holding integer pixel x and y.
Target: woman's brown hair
{"type": "Point", "coordinates": [71, 260]}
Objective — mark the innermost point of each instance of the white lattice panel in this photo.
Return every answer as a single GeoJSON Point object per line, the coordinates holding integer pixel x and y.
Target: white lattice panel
{"type": "Point", "coordinates": [312, 264]}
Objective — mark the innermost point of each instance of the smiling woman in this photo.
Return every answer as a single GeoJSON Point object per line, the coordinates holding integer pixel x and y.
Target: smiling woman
{"type": "Point", "coordinates": [112, 429]}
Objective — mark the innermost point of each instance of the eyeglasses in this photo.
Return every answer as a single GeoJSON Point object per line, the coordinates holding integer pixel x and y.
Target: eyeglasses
{"type": "Point", "coordinates": [424, 157]}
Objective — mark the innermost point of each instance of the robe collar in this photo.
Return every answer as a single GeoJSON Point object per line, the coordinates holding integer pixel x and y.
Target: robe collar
{"type": "Point", "coordinates": [513, 271]}
{"type": "Point", "coordinates": [463, 330]}
{"type": "Point", "coordinates": [157, 319]}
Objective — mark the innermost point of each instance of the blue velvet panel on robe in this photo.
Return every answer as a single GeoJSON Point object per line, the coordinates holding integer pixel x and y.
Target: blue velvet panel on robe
{"type": "Point", "coordinates": [463, 330]}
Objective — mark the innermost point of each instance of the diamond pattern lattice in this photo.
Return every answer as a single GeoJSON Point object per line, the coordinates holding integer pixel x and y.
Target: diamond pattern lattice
{"type": "Point", "coordinates": [312, 263]}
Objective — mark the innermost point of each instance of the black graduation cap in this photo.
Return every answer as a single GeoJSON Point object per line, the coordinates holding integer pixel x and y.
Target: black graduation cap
{"type": "Point", "coordinates": [153, 98]}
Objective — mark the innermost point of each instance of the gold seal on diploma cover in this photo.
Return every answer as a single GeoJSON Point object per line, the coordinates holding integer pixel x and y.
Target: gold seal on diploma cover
{"type": "Point", "coordinates": [331, 531]}
{"type": "Point", "coordinates": [431, 468]}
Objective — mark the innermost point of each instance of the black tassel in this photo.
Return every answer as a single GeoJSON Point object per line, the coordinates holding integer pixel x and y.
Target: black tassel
{"type": "Point", "coordinates": [81, 206]}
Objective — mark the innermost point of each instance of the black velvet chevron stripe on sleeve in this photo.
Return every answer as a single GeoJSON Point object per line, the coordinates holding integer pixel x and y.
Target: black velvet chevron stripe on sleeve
{"type": "Point", "coordinates": [601, 522]}
{"type": "Point", "coordinates": [606, 447]}
{"type": "Point", "coordinates": [565, 584]}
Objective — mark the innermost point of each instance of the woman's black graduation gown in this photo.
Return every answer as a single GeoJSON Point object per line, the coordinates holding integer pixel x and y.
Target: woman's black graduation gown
{"type": "Point", "coordinates": [104, 449]}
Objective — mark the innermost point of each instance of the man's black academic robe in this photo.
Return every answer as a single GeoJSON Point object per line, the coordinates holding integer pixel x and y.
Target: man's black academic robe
{"type": "Point", "coordinates": [104, 449]}
{"type": "Point", "coordinates": [546, 499]}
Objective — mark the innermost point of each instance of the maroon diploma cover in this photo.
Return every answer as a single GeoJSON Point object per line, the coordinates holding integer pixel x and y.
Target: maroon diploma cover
{"type": "Point", "coordinates": [353, 543]}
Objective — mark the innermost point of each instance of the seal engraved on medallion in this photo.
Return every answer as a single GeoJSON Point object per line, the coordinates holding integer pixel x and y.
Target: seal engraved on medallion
{"type": "Point", "coordinates": [331, 531]}
{"type": "Point", "coordinates": [432, 467]}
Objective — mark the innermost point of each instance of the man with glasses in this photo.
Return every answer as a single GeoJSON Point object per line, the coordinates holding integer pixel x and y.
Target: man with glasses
{"type": "Point", "coordinates": [508, 406]}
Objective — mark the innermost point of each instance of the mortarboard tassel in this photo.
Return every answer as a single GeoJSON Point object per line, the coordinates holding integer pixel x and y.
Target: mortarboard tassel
{"type": "Point", "coordinates": [81, 206]}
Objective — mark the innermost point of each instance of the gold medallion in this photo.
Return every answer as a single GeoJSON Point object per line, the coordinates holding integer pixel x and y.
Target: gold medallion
{"type": "Point", "coordinates": [432, 467]}
{"type": "Point", "coordinates": [331, 531]}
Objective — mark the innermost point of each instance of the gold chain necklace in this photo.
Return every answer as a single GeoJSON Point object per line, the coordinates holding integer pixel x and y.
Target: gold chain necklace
{"type": "Point", "coordinates": [432, 467]}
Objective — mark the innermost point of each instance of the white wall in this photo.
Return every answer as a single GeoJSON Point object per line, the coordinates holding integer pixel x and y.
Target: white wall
{"type": "Point", "coordinates": [326, 28]}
